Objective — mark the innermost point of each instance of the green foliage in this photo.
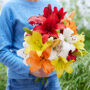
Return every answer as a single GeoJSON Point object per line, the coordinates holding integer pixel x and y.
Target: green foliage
{"type": "Point", "coordinates": [80, 78]}
{"type": "Point", "coordinates": [3, 77]}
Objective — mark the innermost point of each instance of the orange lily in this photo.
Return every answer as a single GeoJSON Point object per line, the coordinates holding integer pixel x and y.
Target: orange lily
{"type": "Point", "coordinates": [70, 23]}
{"type": "Point", "coordinates": [37, 62]}
{"type": "Point", "coordinates": [72, 26]}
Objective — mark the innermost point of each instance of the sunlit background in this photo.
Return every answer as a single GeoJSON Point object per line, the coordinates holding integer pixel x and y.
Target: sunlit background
{"type": "Point", "coordinates": [80, 78]}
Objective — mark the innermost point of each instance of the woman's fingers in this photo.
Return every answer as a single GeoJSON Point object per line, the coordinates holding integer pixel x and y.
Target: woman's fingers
{"type": "Point", "coordinates": [40, 73]}
{"type": "Point", "coordinates": [43, 74]}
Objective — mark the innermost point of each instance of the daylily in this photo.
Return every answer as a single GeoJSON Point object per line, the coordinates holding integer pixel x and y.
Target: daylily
{"type": "Point", "coordinates": [61, 65]}
{"type": "Point", "coordinates": [36, 62]}
{"type": "Point", "coordinates": [49, 27]}
{"type": "Point", "coordinates": [71, 56]}
{"type": "Point", "coordinates": [36, 20]}
{"type": "Point", "coordinates": [80, 41]}
{"type": "Point", "coordinates": [80, 52]}
{"type": "Point", "coordinates": [22, 54]}
{"type": "Point", "coordinates": [68, 36]}
{"type": "Point", "coordinates": [40, 19]}
{"type": "Point", "coordinates": [35, 43]}
{"type": "Point", "coordinates": [66, 44]}
{"type": "Point", "coordinates": [60, 14]}
{"type": "Point", "coordinates": [70, 23]}
{"type": "Point", "coordinates": [25, 45]}
{"type": "Point", "coordinates": [63, 49]}
{"type": "Point", "coordinates": [53, 55]}
{"type": "Point", "coordinates": [71, 16]}
{"type": "Point", "coordinates": [47, 11]}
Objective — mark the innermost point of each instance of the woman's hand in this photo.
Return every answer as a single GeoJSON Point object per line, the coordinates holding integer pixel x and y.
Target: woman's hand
{"type": "Point", "coordinates": [40, 73]}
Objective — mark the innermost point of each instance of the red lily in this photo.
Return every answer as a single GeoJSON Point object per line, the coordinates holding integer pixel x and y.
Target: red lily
{"type": "Point", "coordinates": [60, 14]}
{"type": "Point", "coordinates": [36, 20]}
{"type": "Point", "coordinates": [40, 19]}
{"type": "Point", "coordinates": [47, 11]}
{"type": "Point", "coordinates": [49, 27]}
{"type": "Point", "coordinates": [71, 56]}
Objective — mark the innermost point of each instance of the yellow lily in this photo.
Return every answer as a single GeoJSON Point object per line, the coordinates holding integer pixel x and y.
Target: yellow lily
{"type": "Point", "coordinates": [61, 64]}
{"type": "Point", "coordinates": [80, 41]}
{"type": "Point", "coordinates": [81, 52]}
{"type": "Point", "coordinates": [35, 43]}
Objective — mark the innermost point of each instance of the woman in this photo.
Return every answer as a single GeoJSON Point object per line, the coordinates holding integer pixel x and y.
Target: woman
{"type": "Point", "coordinates": [13, 18]}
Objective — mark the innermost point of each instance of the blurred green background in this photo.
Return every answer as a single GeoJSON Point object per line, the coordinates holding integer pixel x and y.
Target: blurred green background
{"type": "Point", "coordinates": [80, 78]}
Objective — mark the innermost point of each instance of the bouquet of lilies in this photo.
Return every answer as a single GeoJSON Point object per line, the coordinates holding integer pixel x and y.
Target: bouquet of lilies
{"type": "Point", "coordinates": [54, 43]}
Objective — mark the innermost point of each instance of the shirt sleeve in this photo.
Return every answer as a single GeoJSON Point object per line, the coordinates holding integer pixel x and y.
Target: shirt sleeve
{"type": "Point", "coordinates": [8, 58]}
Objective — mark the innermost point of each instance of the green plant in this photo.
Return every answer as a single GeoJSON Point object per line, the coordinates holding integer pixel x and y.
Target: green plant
{"type": "Point", "coordinates": [80, 78]}
{"type": "Point", "coordinates": [3, 77]}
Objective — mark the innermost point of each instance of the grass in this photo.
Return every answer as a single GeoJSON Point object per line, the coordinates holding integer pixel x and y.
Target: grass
{"type": "Point", "coordinates": [78, 80]}
{"type": "Point", "coordinates": [3, 77]}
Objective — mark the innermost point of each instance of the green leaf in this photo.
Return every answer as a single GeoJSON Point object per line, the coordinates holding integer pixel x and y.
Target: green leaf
{"type": "Point", "coordinates": [37, 79]}
{"type": "Point", "coordinates": [44, 80]}
{"type": "Point", "coordinates": [28, 31]}
{"type": "Point", "coordinates": [58, 31]}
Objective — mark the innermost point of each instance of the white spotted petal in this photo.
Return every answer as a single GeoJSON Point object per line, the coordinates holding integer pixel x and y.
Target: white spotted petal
{"type": "Point", "coordinates": [65, 48]}
{"type": "Point", "coordinates": [68, 36]}
{"type": "Point", "coordinates": [53, 55]}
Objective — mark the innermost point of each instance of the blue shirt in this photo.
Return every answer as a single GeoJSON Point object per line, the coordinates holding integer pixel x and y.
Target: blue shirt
{"type": "Point", "coordinates": [14, 16]}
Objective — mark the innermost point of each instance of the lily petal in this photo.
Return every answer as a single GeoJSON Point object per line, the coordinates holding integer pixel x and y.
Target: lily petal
{"type": "Point", "coordinates": [45, 38]}
{"type": "Point", "coordinates": [47, 66]}
{"type": "Point", "coordinates": [69, 68]}
{"type": "Point", "coordinates": [36, 20]}
{"type": "Point", "coordinates": [53, 54]}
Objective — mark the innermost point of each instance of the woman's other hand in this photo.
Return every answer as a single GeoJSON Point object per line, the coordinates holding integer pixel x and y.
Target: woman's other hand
{"type": "Point", "coordinates": [40, 73]}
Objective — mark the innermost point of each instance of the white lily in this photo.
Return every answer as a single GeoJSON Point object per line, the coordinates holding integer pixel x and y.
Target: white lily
{"type": "Point", "coordinates": [25, 45]}
{"type": "Point", "coordinates": [64, 49]}
{"type": "Point", "coordinates": [53, 54]}
{"type": "Point", "coordinates": [68, 36]}
{"type": "Point", "coordinates": [66, 44]}
{"type": "Point", "coordinates": [22, 54]}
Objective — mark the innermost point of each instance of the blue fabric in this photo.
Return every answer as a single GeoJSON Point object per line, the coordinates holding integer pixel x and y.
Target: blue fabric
{"type": "Point", "coordinates": [30, 84]}
{"type": "Point", "coordinates": [13, 18]}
